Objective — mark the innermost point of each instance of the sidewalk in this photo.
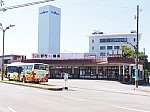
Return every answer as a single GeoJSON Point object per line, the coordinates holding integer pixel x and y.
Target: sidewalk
{"type": "Point", "coordinates": [143, 88]}
{"type": "Point", "coordinates": [40, 86]}
{"type": "Point", "coordinates": [92, 85]}
{"type": "Point", "coordinates": [103, 85]}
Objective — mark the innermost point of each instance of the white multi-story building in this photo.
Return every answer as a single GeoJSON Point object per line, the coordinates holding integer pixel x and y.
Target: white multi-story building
{"type": "Point", "coordinates": [49, 29]}
{"type": "Point", "coordinates": [106, 45]}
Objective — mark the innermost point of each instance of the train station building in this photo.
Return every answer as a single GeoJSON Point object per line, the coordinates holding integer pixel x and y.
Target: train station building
{"type": "Point", "coordinates": [108, 68]}
{"type": "Point", "coordinates": [102, 61]}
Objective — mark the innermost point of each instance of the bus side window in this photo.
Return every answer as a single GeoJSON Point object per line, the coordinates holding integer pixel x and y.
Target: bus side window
{"type": "Point", "coordinates": [30, 67]}
{"type": "Point", "coordinates": [42, 68]}
{"type": "Point", "coordinates": [19, 70]}
{"type": "Point", "coordinates": [36, 66]}
{"type": "Point", "coordinates": [47, 68]}
{"type": "Point", "coordinates": [24, 68]}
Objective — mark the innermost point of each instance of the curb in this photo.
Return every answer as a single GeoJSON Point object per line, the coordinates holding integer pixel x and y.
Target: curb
{"type": "Point", "coordinates": [40, 86]}
{"type": "Point", "coordinates": [142, 90]}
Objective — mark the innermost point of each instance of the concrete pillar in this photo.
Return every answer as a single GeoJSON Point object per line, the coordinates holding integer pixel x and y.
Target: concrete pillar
{"type": "Point", "coordinates": [104, 72]}
{"type": "Point", "coordinates": [119, 73]}
{"type": "Point", "coordinates": [72, 70]}
{"type": "Point", "coordinates": [143, 75]}
{"type": "Point", "coordinates": [119, 70]}
{"type": "Point", "coordinates": [130, 75]}
{"type": "Point", "coordinates": [123, 73]}
{"type": "Point", "coordinates": [96, 71]}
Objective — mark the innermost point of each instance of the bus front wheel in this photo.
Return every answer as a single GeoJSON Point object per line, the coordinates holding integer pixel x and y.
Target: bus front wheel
{"type": "Point", "coordinates": [24, 79]}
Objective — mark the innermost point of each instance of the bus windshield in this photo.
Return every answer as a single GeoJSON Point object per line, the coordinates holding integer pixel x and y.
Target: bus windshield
{"type": "Point", "coordinates": [39, 66]}
{"type": "Point", "coordinates": [46, 67]}
{"type": "Point", "coordinates": [12, 69]}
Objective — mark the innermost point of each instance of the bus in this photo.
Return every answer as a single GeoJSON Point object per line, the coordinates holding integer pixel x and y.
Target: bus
{"type": "Point", "coordinates": [27, 72]}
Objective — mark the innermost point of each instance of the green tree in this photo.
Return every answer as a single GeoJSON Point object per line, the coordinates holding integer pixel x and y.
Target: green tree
{"type": "Point", "coordinates": [144, 57]}
{"type": "Point", "coordinates": [128, 52]}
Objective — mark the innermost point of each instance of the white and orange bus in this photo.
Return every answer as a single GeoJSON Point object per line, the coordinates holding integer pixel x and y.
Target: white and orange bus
{"type": "Point", "coordinates": [27, 72]}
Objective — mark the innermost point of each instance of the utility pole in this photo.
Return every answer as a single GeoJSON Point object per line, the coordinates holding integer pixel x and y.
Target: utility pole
{"type": "Point", "coordinates": [144, 67]}
{"type": "Point", "coordinates": [137, 50]}
{"type": "Point", "coordinates": [3, 55]}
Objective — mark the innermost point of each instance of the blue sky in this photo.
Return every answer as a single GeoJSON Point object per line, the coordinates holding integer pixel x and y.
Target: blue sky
{"type": "Point", "coordinates": [79, 18]}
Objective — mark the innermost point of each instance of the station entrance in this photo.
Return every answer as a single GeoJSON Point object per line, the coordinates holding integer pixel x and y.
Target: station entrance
{"type": "Point", "coordinates": [122, 73]}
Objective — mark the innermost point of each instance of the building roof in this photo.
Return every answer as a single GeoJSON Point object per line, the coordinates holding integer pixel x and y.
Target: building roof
{"type": "Point", "coordinates": [114, 35]}
{"type": "Point", "coordinates": [11, 55]}
{"type": "Point", "coordinates": [78, 62]}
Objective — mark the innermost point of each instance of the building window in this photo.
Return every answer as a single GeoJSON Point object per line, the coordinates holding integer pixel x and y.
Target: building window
{"type": "Point", "coordinates": [92, 41]}
{"type": "Point", "coordinates": [113, 40]}
{"type": "Point", "coordinates": [134, 39]}
{"type": "Point", "coordinates": [58, 56]}
{"type": "Point", "coordinates": [102, 40]}
{"type": "Point", "coordinates": [116, 47]}
{"type": "Point", "coordinates": [92, 47]}
{"type": "Point", "coordinates": [54, 55]}
{"type": "Point", "coordinates": [107, 53]}
{"type": "Point", "coordinates": [102, 47]}
{"type": "Point", "coordinates": [109, 47]}
{"type": "Point", "coordinates": [102, 54]}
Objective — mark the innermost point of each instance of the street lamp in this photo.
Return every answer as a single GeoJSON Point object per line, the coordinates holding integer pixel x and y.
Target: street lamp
{"type": "Point", "coordinates": [4, 29]}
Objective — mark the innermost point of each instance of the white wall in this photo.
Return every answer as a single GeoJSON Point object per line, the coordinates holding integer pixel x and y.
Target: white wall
{"type": "Point", "coordinates": [49, 29]}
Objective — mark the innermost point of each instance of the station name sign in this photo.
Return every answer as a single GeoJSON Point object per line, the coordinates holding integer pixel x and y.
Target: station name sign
{"type": "Point", "coordinates": [43, 12]}
{"type": "Point", "coordinates": [63, 56]}
{"type": "Point", "coordinates": [54, 12]}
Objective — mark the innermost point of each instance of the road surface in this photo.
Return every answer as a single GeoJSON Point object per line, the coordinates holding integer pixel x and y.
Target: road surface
{"type": "Point", "coordinates": [83, 96]}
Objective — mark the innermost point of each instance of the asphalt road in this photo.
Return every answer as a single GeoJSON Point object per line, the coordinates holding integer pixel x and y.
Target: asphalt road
{"type": "Point", "coordinates": [82, 96]}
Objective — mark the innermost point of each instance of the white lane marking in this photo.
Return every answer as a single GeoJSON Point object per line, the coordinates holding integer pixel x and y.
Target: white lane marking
{"type": "Point", "coordinates": [75, 98]}
{"type": "Point", "coordinates": [107, 89]}
{"type": "Point", "coordinates": [43, 92]}
{"type": "Point", "coordinates": [11, 109]}
{"type": "Point", "coordinates": [129, 108]}
{"type": "Point", "coordinates": [62, 96]}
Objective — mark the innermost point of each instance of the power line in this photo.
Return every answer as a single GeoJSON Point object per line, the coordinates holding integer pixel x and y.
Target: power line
{"type": "Point", "coordinates": [24, 5]}
{"type": "Point", "coordinates": [1, 3]}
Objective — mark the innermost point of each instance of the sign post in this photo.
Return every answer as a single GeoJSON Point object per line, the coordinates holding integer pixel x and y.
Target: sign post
{"type": "Point", "coordinates": [66, 79]}
{"type": "Point", "coordinates": [136, 78]}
